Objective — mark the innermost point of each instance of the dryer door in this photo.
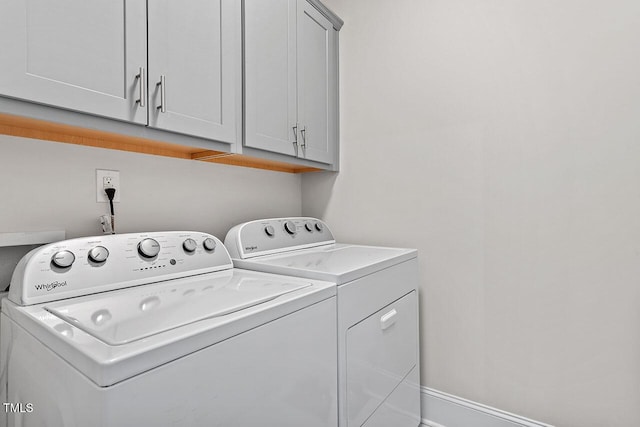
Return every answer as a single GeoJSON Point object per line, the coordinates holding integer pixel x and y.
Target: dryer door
{"type": "Point", "coordinates": [381, 351]}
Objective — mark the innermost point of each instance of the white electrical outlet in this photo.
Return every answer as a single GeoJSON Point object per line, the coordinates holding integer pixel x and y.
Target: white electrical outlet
{"type": "Point", "coordinates": [107, 179]}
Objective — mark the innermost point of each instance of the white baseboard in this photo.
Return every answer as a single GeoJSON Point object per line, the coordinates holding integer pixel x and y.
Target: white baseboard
{"type": "Point", "coordinates": [445, 410]}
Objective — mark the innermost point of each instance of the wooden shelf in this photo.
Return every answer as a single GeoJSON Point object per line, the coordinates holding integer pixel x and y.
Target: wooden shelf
{"type": "Point", "coordinates": [38, 129]}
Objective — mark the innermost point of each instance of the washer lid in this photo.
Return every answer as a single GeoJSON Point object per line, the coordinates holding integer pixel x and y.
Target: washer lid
{"type": "Point", "coordinates": [339, 263]}
{"type": "Point", "coordinates": [125, 316]}
{"type": "Point", "coordinates": [187, 319]}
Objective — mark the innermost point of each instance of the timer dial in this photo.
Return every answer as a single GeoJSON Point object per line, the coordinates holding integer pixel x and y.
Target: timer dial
{"type": "Point", "coordinates": [149, 248]}
{"type": "Point", "coordinates": [99, 254]}
{"type": "Point", "coordinates": [290, 227]}
{"type": "Point", "coordinates": [209, 244]}
{"type": "Point", "coordinates": [63, 259]}
{"type": "Point", "coordinates": [189, 245]}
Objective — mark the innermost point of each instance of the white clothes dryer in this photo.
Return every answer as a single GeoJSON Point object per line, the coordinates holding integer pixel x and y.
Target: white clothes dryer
{"type": "Point", "coordinates": [378, 356]}
{"type": "Point", "coordinates": [159, 329]}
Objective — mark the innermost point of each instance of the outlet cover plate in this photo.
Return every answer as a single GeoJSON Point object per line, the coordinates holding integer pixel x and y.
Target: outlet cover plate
{"type": "Point", "coordinates": [101, 174]}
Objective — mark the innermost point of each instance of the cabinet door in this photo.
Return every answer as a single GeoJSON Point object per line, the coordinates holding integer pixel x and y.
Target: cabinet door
{"type": "Point", "coordinates": [270, 75]}
{"type": "Point", "coordinates": [74, 54]}
{"type": "Point", "coordinates": [196, 48]}
{"type": "Point", "coordinates": [317, 84]}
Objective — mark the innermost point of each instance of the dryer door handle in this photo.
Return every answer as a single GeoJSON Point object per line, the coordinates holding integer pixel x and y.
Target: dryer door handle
{"type": "Point", "coordinates": [388, 319]}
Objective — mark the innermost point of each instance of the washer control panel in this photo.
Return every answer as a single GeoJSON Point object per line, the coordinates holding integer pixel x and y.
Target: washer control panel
{"type": "Point", "coordinates": [96, 264]}
{"type": "Point", "coordinates": [268, 236]}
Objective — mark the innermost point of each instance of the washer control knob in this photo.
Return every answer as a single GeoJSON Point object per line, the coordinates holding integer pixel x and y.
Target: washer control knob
{"type": "Point", "coordinates": [269, 230]}
{"type": "Point", "coordinates": [319, 226]}
{"type": "Point", "coordinates": [99, 254]}
{"type": "Point", "coordinates": [209, 244]}
{"type": "Point", "coordinates": [189, 245]}
{"type": "Point", "coordinates": [63, 259]}
{"type": "Point", "coordinates": [290, 227]}
{"type": "Point", "coordinates": [149, 248]}
{"type": "Point", "coordinates": [308, 226]}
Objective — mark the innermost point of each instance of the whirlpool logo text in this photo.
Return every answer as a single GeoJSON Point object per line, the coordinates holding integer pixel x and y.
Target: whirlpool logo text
{"type": "Point", "coordinates": [50, 286]}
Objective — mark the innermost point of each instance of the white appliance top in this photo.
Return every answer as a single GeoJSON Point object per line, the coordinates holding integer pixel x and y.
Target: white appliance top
{"type": "Point", "coordinates": [339, 263]}
{"type": "Point", "coordinates": [304, 253]}
{"type": "Point", "coordinates": [135, 311]}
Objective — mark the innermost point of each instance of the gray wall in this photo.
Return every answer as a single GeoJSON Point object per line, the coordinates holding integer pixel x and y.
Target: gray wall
{"type": "Point", "coordinates": [502, 139]}
{"type": "Point", "coordinates": [47, 185]}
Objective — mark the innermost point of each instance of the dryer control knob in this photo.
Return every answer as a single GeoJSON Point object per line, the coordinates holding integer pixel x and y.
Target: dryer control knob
{"type": "Point", "coordinates": [319, 226]}
{"type": "Point", "coordinates": [269, 230]}
{"type": "Point", "coordinates": [149, 248]}
{"type": "Point", "coordinates": [99, 254]}
{"type": "Point", "coordinates": [63, 259]}
{"type": "Point", "coordinates": [309, 227]}
{"type": "Point", "coordinates": [209, 244]}
{"type": "Point", "coordinates": [290, 227]}
{"type": "Point", "coordinates": [189, 245]}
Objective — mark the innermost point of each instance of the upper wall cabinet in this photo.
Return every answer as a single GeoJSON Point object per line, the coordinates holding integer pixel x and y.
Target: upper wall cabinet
{"type": "Point", "coordinates": [171, 72]}
{"type": "Point", "coordinates": [88, 56]}
{"type": "Point", "coordinates": [95, 57]}
{"type": "Point", "coordinates": [290, 78]}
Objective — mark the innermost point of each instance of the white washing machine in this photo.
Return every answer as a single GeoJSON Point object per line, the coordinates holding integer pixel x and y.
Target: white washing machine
{"type": "Point", "coordinates": [159, 329]}
{"type": "Point", "coordinates": [378, 356]}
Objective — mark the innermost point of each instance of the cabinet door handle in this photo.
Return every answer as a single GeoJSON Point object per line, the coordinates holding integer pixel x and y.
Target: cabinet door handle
{"type": "Point", "coordinates": [140, 77]}
{"type": "Point", "coordinates": [303, 132]}
{"type": "Point", "coordinates": [388, 319]}
{"type": "Point", "coordinates": [295, 134]}
{"type": "Point", "coordinates": [162, 107]}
